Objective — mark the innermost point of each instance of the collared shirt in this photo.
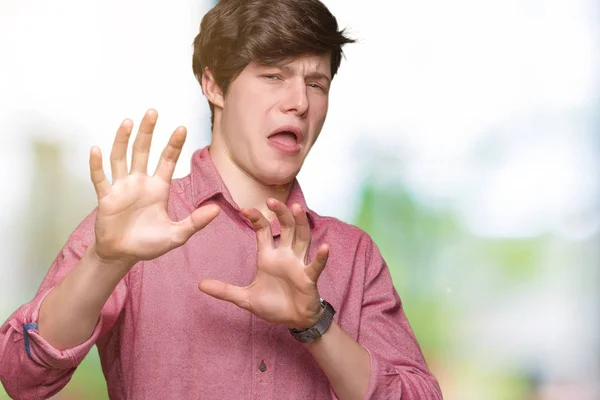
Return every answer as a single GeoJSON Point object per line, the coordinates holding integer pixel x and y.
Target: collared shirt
{"type": "Point", "coordinates": [159, 337]}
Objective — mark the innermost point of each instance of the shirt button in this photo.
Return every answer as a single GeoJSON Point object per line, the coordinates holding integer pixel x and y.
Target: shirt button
{"type": "Point", "coordinates": [262, 366]}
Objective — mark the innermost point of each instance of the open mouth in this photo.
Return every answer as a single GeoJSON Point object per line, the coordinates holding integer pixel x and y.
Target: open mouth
{"type": "Point", "coordinates": [286, 138]}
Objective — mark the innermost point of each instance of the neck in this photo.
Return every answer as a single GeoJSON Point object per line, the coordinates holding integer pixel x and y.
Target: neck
{"type": "Point", "coordinates": [246, 191]}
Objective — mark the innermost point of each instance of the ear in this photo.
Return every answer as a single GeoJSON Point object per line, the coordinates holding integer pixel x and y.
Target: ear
{"type": "Point", "coordinates": [211, 90]}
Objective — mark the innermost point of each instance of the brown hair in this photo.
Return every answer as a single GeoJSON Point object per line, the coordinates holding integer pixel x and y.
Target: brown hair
{"type": "Point", "coordinates": [236, 32]}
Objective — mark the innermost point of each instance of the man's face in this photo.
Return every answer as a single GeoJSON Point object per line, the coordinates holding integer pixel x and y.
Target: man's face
{"type": "Point", "coordinates": [272, 116]}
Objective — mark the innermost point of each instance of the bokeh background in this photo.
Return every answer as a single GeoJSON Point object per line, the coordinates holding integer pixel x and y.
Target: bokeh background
{"type": "Point", "coordinates": [464, 136]}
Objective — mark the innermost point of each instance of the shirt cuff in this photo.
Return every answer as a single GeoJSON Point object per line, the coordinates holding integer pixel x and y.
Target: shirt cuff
{"type": "Point", "coordinates": [377, 385]}
{"type": "Point", "coordinates": [42, 352]}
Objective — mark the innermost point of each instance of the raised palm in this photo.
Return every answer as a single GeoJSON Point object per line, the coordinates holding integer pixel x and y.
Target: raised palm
{"type": "Point", "coordinates": [285, 287]}
{"type": "Point", "coordinates": [132, 222]}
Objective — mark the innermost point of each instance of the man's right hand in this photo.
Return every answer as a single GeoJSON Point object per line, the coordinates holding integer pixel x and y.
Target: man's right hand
{"type": "Point", "coordinates": [132, 222]}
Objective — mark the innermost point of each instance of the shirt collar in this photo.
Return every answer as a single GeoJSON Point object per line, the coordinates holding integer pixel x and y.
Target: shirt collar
{"type": "Point", "coordinates": [207, 183]}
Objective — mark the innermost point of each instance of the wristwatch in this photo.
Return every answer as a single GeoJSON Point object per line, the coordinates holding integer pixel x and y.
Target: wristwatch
{"type": "Point", "coordinates": [319, 328]}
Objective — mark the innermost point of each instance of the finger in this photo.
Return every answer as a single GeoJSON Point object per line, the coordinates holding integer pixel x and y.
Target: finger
{"type": "Point", "coordinates": [264, 237]}
{"type": "Point", "coordinates": [196, 221]}
{"type": "Point", "coordinates": [302, 238]}
{"type": "Point", "coordinates": [99, 180]}
{"type": "Point", "coordinates": [118, 154]}
{"type": "Point", "coordinates": [143, 140]}
{"type": "Point", "coordinates": [286, 222]}
{"type": "Point", "coordinates": [315, 268]}
{"type": "Point", "coordinates": [226, 292]}
{"type": "Point", "coordinates": [170, 155]}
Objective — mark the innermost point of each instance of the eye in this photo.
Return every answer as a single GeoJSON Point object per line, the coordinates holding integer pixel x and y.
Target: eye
{"type": "Point", "coordinates": [271, 77]}
{"type": "Point", "coordinates": [317, 86]}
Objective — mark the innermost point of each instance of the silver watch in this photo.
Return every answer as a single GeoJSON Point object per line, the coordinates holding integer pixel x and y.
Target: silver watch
{"type": "Point", "coordinates": [319, 328]}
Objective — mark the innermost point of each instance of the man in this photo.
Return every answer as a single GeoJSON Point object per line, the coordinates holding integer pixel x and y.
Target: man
{"type": "Point", "coordinates": [291, 305]}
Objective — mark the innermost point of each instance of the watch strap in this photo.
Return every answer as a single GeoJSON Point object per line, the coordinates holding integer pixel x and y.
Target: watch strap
{"type": "Point", "coordinates": [319, 328]}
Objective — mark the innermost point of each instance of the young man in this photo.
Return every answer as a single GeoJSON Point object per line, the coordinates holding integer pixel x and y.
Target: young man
{"type": "Point", "coordinates": [289, 304]}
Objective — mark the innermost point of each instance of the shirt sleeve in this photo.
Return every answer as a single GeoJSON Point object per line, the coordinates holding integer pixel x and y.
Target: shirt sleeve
{"type": "Point", "coordinates": [31, 368]}
{"type": "Point", "coordinates": [398, 368]}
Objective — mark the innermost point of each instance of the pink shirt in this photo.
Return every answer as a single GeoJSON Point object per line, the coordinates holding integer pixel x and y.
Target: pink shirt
{"type": "Point", "coordinates": [159, 337]}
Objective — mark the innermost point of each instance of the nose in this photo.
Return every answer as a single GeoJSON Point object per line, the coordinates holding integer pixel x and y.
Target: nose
{"type": "Point", "coordinates": [296, 100]}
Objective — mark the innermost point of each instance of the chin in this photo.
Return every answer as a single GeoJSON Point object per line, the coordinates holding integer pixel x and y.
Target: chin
{"type": "Point", "coordinates": [271, 178]}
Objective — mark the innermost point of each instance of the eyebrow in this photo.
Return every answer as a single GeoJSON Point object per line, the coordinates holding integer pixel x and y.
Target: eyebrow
{"type": "Point", "coordinates": [319, 75]}
{"type": "Point", "coordinates": [313, 75]}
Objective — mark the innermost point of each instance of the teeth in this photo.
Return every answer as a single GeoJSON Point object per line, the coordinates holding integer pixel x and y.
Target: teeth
{"type": "Point", "coordinates": [285, 132]}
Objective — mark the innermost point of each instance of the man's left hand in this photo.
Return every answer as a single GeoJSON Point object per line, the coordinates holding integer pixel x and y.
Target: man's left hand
{"type": "Point", "coordinates": [285, 287]}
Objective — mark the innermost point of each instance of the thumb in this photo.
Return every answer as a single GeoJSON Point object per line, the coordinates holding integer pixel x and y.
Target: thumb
{"type": "Point", "coordinates": [196, 221]}
{"type": "Point", "coordinates": [224, 291]}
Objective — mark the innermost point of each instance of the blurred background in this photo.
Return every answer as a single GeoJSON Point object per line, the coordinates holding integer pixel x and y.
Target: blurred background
{"type": "Point", "coordinates": [463, 136]}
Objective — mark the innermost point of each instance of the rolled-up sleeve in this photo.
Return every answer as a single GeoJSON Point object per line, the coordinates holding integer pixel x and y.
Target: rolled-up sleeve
{"type": "Point", "coordinates": [398, 368]}
{"type": "Point", "coordinates": [30, 367]}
